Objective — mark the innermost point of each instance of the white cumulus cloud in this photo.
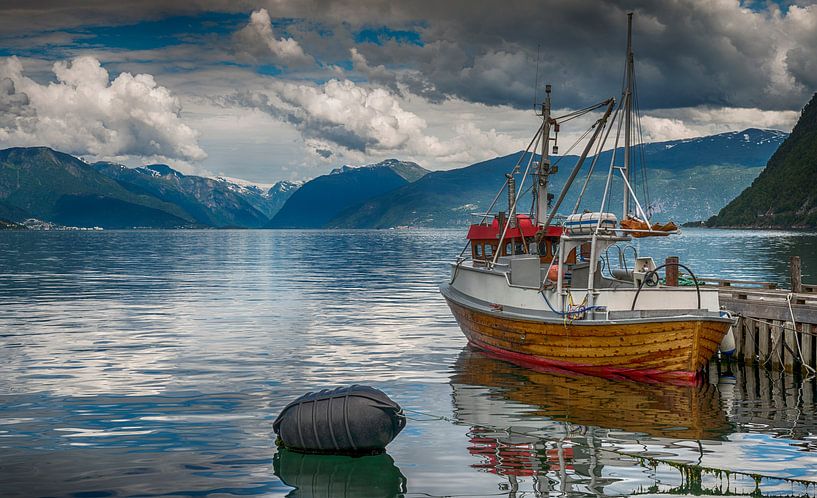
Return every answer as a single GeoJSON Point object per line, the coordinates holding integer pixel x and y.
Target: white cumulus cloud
{"type": "Point", "coordinates": [258, 39]}
{"type": "Point", "coordinates": [371, 121]}
{"type": "Point", "coordinates": [84, 112]}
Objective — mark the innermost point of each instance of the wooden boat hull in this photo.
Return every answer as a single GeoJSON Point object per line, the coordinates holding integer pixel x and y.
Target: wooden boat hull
{"type": "Point", "coordinates": [670, 349]}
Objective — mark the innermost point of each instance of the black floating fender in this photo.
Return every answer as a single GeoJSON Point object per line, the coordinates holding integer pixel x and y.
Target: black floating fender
{"type": "Point", "coordinates": [347, 420]}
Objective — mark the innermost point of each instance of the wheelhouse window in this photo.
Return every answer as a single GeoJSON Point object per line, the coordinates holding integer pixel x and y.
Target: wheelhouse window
{"type": "Point", "coordinates": [477, 249]}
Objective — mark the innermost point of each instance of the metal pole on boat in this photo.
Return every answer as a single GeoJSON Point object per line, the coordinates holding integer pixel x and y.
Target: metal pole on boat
{"type": "Point", "coordinates": [628, 111]}
{"type": "Point", "coordinates": [544, 163]}
{"type": "Point", "coordinates": [511, 198]}
{"type": "Point", "coordinates": [600, 124]}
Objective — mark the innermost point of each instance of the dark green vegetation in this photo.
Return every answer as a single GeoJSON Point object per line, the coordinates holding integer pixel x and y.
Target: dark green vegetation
{"type": "Point", "coordinates": [39, 182]}
{"type": "Point", "coordinates": [784, 195]}
{"type": "Point", "coordinates": [688, 179]}
{"type": "Point", "coordinates": [323, 198]}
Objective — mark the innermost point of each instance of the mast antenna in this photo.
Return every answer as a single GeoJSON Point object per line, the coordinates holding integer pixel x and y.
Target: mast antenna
{"type": "Point", "coordinates": [536, 83]}
{"type": "Point", "coordinates": [627, 100]}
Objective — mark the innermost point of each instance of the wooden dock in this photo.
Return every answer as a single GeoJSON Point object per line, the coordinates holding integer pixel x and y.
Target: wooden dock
{"type": "Point", "coordinates": [776, 328]}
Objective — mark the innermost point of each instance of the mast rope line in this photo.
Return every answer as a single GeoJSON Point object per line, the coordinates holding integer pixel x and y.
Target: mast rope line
{"type": "Point", "coordinates": [460, 259]}
{"type": "Point", "coordinates": [596, 156]}
{"type": "Point", "coordinates": [642, 159]}
{"type": "Point", "coordinates": [512, 209]}
{"type": "Point", "coordinates": [610, 103]}
{"type": "Point", "coordinates": [581, 112]}
{"type": "Point", "coordinates": [609, 180]}
{"type": "Point", "coordinates": [587, 132]}
{"type": "Point", "coordinates": [518, 162]}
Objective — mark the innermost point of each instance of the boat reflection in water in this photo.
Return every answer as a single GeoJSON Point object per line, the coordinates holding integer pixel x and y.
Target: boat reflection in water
{"type": "Point", "coordinates": [555, 431]}
{"type": "Point", "coordinates": [325, 476]}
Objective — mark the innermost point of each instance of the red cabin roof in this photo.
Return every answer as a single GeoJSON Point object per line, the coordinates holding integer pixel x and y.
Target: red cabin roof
{"type": "Point", "coordinates": [523, 224]}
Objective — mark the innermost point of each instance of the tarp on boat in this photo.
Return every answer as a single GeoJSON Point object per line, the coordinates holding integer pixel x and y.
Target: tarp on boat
{"type": "Point", "coordinates": [642, 228]}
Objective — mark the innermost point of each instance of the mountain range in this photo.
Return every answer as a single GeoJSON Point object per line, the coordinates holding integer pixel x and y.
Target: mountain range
{"type": "Point", "coordinates": [689, 179]}
{"type": "Point", "coordinates": [38, 182]}
{"type": "Point", "coordinates": [322, 199]}
{"type": "Point", "coordinates": [783, 195]}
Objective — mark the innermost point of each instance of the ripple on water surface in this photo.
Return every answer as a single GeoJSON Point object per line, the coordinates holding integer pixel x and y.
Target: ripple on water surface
{"type": "Point", "coordinates": [154, 362]}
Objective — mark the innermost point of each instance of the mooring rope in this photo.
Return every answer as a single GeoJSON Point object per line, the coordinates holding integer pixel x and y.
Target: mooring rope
{"type": "Point", "coordinates": [794, 323]}
{"type": "Point", "coordinates": [775, 343]}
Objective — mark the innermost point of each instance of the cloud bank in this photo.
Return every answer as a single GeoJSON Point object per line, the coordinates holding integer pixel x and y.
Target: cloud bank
{"type": "Point", "coordinates": [85, 112]}
{"type": "Point", "coordinates": [688, 52]}
{"type": "Point", "coordinates": [368, 121]}
{"type": "Point", "coordinates": [359, 80]}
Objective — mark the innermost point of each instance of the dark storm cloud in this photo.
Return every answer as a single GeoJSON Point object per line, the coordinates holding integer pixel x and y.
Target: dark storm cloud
{"type": "Point", "coordinates": [688, 52]}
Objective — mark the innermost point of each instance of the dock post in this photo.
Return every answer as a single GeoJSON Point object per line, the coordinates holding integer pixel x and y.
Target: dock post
{"type": "Point", "coordinates": [777, 338]}
{"type": "Point", "coordinates": [796, 276]}
{"type": "Point", "coordinates": [750, 334]}
{"type": "Point", "coordinates": [671, 271]}
{"type": "Point", "coordinates": [790, 357]}
{"type": "Point", "coordinates": [806, 345]}
{"type": "Point", "coordinates": [763, 339]}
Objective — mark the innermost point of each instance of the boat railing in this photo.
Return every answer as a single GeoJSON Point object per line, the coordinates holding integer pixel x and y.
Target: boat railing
{"type": "Point", "coordinates": [483, 217]}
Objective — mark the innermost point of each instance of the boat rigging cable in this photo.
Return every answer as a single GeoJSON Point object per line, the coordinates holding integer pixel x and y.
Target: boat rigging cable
{"type": "Point", "coordinates": [593, 163]}
{"type": "Point", "coordinates": [642, 159]}
{"type": "Point", "coordinates": [535, 143]}
{"type": "Point", "coordinates": [610, 103]}
{"type": "Point", "coordinates": [512, 209]}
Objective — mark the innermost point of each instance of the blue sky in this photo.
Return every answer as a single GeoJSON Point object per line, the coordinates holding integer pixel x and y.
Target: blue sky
{"type": "Point", "coordinates": [261, 90]}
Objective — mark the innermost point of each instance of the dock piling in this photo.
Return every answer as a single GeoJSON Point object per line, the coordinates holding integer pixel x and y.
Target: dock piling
{"type": "Point", "coordinates": [775, 328]}
{"type": "Point", "coordinates": [795, 275]}
{"type": "Point", "coordinates": [671, 271]}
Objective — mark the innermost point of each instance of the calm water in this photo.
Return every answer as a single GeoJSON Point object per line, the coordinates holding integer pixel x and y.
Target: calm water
{"type": "Point", "coordinates": [154, 363]}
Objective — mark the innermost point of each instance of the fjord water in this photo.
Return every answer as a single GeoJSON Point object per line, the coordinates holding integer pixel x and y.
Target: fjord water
{"type": "Point", "coordinates": [153, 363]}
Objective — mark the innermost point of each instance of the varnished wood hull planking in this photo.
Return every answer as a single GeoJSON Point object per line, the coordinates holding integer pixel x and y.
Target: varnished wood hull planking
{"type": "Point", "coordinates": [669, 350]}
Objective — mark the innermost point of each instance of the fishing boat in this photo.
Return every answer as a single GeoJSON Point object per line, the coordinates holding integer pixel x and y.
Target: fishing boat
{"type": "Point", "coordinates": [541, 289]}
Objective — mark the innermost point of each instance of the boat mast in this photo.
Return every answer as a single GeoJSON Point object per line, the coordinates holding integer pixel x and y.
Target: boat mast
{"type": "Point", "coordinates": [544, 163]}
{"type": "Point", "coordinates": [627, 99]}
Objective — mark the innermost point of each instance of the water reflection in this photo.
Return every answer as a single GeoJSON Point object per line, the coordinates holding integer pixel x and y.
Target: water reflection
{"type": "Point", "coordinates": [690, 412]}
{"type": "Point", "coordinates": [550, 431]}
{"type": "Point", "coordinates": [317, 476]}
